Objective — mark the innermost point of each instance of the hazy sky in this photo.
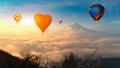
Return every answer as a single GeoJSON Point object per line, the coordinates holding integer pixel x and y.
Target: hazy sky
{"type": "Point", "coordinates": [70, 35]}
{"type": "Point", "coordinates": [70, 11]}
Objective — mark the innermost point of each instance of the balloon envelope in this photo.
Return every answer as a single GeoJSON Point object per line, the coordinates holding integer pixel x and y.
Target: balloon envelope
{"type": "Point", "coordinates": [96, 11]}
{"type": "Point", "coordinates": [60, 21]}
{"type": "Point", "coordinates": [17, 18]}
{"type": "Point", "coordinates": [42, 21]}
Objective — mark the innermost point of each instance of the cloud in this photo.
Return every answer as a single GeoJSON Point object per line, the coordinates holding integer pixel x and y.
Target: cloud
{"type": "Point", "coordinates": [74, 37]}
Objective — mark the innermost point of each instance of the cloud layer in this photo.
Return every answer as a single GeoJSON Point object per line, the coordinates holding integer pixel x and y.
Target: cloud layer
{"type": "Point", "coordinates": [74, 38]}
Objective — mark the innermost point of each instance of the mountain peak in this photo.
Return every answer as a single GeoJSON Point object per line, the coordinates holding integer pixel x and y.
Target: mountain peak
{"type": "Point", "coordinates": [77, 26]}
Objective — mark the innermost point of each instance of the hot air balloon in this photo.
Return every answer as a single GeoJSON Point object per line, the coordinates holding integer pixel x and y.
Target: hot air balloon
{"type": "Point", "coordinates": [60, 21]}
{"type": "Point", "coordinates": [96, 11]}
{"type": "Point", "coordinates": [42, 21]}
{"type": "Point", "coordinates": [17, 18]}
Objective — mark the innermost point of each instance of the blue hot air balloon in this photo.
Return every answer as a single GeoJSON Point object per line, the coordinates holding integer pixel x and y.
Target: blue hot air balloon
{"type": "Point", "coordinates": [96, 11]}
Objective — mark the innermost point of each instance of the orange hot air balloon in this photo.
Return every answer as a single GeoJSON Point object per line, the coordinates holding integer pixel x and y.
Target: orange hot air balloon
{"type": "Point", "coordinates": [42, 21]}
{"type": "Point", "coordinates": [17, 18]}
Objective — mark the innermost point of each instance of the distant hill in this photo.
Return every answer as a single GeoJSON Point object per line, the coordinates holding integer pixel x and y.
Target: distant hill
{"type": "Point", "coordinates": [9, 61]}
{"type": "Point", "coordinates": [91, 32]}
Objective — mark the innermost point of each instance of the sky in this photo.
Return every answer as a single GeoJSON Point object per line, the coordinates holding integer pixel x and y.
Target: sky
{"type": "Point", "coordinates": [77, 33]}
